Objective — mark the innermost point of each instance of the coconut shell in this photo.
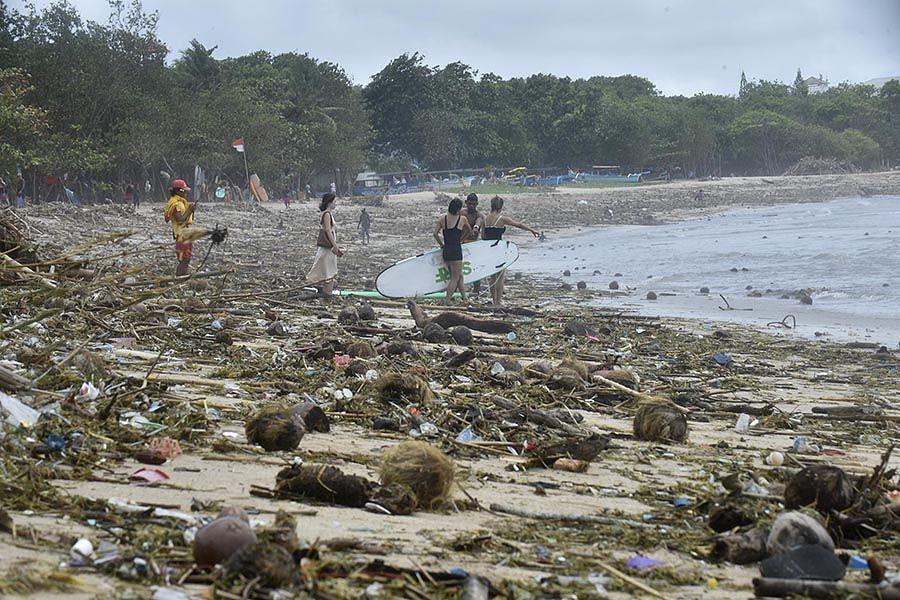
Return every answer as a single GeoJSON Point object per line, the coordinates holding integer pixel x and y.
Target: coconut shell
{"type": "Point", "coordinates": [660, 422]}
{"type": "Point", "coordinates": [397, 498]}
{"type": "Point", "coordinates": [402, 347]}
{"type": "Point", "coordinates": [217, 541]}
{"type": "Point", "coordinates": [366, 312]}
{"type": "Point", "coordinates": [422, 468]}
{"type": "Point", "coordinates": [404, 387]}
{"type": "Point", "coordinates": [741, 548]}
{"type": "Point", "coordinates": [348, 316]}
{"type": "Point", "coordinates": [436, 334]}
{"type": "Point", "coordinates": [275, 428]}
{"type": "Point", "coordinates": [824, 486]}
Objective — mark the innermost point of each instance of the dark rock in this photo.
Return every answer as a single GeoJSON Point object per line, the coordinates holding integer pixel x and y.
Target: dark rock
{"type": "Point", "coordinates": [792, 529]}
{"type": "Point", "coordinates": [741, 548]}
{"type": "Point", "coordinates": [565, 287]}
{"type": "Point", "coordinates": [436, 334]}
{"type": "Point", "coordinates": [804, 562]}
{"type": "Point", "coordinates": [805, 298]}
{"type": "Point", "coordinates": [651, 296]}
{"type": "Point", "coordinates": [613, 285]}
{"type": "Point", "coordinates": [704, 290]}
{"type": "Point", "coordinates": [567, 273]}
{"type": "Point", "coordinates": [366, 312]}
{"type": "Point", "coordinates": [581, 285]}
{"type": "Point", "coordinates": [579, 328]}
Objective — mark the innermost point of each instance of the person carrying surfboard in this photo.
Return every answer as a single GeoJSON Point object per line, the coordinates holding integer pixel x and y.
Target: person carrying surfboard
{"type": "Point", "coordinates": [324, 268]}
{"type": "Point", "coordinates": [449, 233]}
{"type": "Point", "coordinates": [495, 224]}
{"type": "Point", "coordinates": [476, 221]}
{"type": "Point", "coordinates": [180, 213]}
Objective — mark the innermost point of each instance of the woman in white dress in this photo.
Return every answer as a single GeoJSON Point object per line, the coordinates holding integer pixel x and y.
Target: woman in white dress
{"type": "Point", "coordinates": [324, 268]}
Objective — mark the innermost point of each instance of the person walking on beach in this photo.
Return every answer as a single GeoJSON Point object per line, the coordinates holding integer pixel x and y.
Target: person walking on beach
{"type": "Point", "coordinates": [448, 233]}
{"type": "Point", "coordinates": [131, 197]}
{"type": "Point", "coordinates": [495, 224]}
{"type": "Point", "coordinates": [324, 268]}
{"type": "Point", "coordinates": [364, 224]}
{"type": "Point", "coordinates": [476, 221]}
{"type": "Point", "coordinates": [180, 213]}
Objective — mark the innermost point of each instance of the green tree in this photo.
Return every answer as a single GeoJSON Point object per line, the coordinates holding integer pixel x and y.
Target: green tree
{"type": "Point", "coordinates": [800, 87]}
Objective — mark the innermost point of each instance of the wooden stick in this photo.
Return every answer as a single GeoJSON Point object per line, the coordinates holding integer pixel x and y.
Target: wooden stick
{"type": "Point", "coordinates": [510, 510]}
{"type": "Point", "coordinates": [782, 588]}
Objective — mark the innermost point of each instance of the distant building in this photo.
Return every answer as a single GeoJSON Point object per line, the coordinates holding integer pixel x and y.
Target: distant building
{"type": "Point", "coordinates": [880, 81]}
{"type": "Point", "coordinates": [816, 85]}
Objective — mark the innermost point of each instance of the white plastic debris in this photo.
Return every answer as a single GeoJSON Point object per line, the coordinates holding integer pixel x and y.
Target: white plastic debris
{"type": "Point", "coordinates": [511, 336]}
{"type": "Point", "coordinates": [83, 548]}
{"type": "Point", "coordinates": [496, 369]}
{"type": "Point", "coordinates": [371, 375]}
{"type": "Point", "coordinates": [348, 395]}
{"type": "Point", "coordinates": [428, 429]}
{"type": "Point", "coordinates": [776, 459]}
{"type": "Point", "coordinates": [18, 413]}
{"type": "Point", "coordinates": [88, 392]}
{"type": "Point", "coordinates": [743, 423]}
{"type": "Point", "coordinates": [173, 322]}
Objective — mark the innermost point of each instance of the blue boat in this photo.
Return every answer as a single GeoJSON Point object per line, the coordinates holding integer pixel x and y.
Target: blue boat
{"type": "Point", "coordinates": [608, 174]}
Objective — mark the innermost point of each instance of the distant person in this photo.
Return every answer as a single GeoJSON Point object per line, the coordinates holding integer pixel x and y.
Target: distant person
{"type": "Point", "coordinates": [364, 225]}
{"type": "Point", "coordinates": [495, 224]}
{"type": "Point", "coordinates": [180, 213]}
{"type": "Point", "coordinates": [132, 198]}
{"type": "Point", "coordinates": [20, 191]}
{"type": "Point", "coordinates": [324, 268]}
{"type": "Point", "coordinates": [333, 188]}
{"type": "Point", "coordinates": [308, 191]}
{"type": "Point", "coordinates": [476, 222]}
{"type": "Point", "coordinates": [448, 233]}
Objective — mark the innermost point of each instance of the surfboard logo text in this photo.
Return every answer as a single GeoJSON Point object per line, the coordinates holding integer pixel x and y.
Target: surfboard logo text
{"type": "Point", "coordinates": [443, 273]}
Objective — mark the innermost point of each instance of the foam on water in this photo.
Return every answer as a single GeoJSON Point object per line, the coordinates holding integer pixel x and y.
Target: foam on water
{"type": "Point", "coordinates": [844, 250]}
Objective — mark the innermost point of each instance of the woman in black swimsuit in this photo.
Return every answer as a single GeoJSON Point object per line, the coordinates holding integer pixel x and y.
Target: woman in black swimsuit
{"type": "Point", "coordinates": [495, 225]}
{"type": "Point", "coordinates": [452, 227]}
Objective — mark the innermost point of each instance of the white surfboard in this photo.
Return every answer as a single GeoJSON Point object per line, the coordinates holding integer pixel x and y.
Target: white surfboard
{"type": "Point", "coordinates": [426, 273]}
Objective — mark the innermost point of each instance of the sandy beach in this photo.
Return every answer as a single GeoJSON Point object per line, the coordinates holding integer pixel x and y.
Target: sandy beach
{"type": "Point", "coordinates": [655, 496]}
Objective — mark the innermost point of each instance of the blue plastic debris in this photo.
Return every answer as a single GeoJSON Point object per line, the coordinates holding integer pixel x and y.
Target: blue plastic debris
{"type": "Point", "coordinates": [55, 442]}
{"type": "Point", "coordinates": [681, 502]}
{"type": "Point", "coordinates": [641, 563]}
{"type": "Point", "coordinates": [858, 562]}
{"type": "Point", "coordinates": [722, 359]}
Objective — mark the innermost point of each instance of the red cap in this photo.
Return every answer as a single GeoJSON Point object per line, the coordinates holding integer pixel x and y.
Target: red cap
{"type": "Point", "coordinates": [179, 184]}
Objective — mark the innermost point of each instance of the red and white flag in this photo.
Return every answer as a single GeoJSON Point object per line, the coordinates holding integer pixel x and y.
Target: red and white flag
{"type": "Point", "coordinates": [238, 144]}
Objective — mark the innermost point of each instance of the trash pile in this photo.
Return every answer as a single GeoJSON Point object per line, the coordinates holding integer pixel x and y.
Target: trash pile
{"type": "Point", "coordinates": [217, 434]}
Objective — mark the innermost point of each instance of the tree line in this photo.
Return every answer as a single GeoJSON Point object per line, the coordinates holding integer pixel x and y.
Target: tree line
{"type": "Point", "coordinates": [98, 102]}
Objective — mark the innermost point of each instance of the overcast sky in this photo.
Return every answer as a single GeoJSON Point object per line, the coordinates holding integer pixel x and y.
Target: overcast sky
{"type": "Point", "coordinates": [683, 46]}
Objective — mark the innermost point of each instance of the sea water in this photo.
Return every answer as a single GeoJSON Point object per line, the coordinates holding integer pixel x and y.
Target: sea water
{"type": "Point", "coordinates": [846, 251]}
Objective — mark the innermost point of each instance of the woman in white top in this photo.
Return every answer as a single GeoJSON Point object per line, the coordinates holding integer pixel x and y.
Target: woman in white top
{"type": "Point", "coordinates": [324, 268]}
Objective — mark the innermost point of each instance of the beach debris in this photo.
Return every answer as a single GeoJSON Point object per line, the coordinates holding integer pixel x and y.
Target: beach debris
{"type": "Point", "coordinates": [567, 273]}
{"type": "Point", "coordinates": [727, 517]}
{"type": "Point", "coordinates": [660, 421]}
{"type": "Point", "coordinates": [613, 285]}
{"type": "Point", "coordinates": [81, 549]}
{"type": "Point", "coordinates": [361, 349]}
{"type": "Point", "coordinates": [639, 562]}
{"type": "Point", "coordinates": [452, 319]}
{"type": "Point", "coordinates": [743, 423]}
{"type": "Point", "coordinates": [217, 541]}
{"type": "Point", "coordinates": [581, 285]}
{"type": "Point", "coordinates": [704, 290]}
{"type": "Point", "coordinates": [366, 312]}
{"type": "Point", "coordinates": [722, 359]}
{"type": "Point", "coordinates": [17, 413]}
{"type": "Point", "coordinates": [324, 483]}
{"type": "Point", "coordinates": [775, 458]}
{"type": "Point", "coordinates": [277, 329]}
{"type": "Point", "coordinates": [462, 335]}
{"type": "Point", "coordinates": [770, 587]}
{"type": "Point", "coordinates": [458, 360]}
{"type": "Point", "coordinates": [792, 529]}
{"type": "Point", "coordinates": [275, 428]}
{"type": "Point", "coordinates": [624, 377]}
{"type": "Point", "coordinates": [404, 387]}
{"type": "Point", "coordinates": [741, 548]}
{"type": "Point", "coordinates": [348, 316]}
{"type": "Point", "coordinates": [566, 378]}
{"type": "Point", "coordinates": [148, 476]}
{"type": "Point", "coordinates": [266, 563]}
{"type": "Point", "coordinates": [651, 296]}
{"type": "Point", "coordinates": [801, 445]}
{"type": "Point", "coordinates": [572, 465]}
{"type": "Point", "coordinates": [396, 498]}
{"type": "Point", "coordinates": [824, 486]}
{"type": "Point", "coordinates": [435, 334]}
{"type": "Point", "coordinates": [810, 561]}
{"type": "Point", "coordinates": [804, 297]}
{"type": "Point", "coordinates": [422, 468]}
{"type": "Point", "coordinates": [579, 328]}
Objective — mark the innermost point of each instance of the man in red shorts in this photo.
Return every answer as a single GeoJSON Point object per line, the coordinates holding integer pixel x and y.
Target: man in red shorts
{"type": "Point", "coordinates": [180, 213]}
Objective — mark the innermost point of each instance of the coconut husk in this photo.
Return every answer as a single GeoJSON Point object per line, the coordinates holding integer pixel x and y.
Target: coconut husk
{"type": "Point", "coordinates": [404, 387]}
{"type": "Point", "coordinates": [400, 347]}
{"type": "Point", "coordinates": [436, 334]}
{"type": "Point", "coordinates": [283, 532]}
{"type": "Point", "coordinates": [824, 486]}
{"type": "Point", "coordinates": [462, 335]}
{"type": "Point", "coordinates": [366, 312]}
{"type": "Point", "coordinates": [269, 564]}
{"type": "Point", "coordinates": [348, 316]}
{"type": "Point", "coordinates": [324, 483]}
{"type": "Point", "coordinates": [356, 367]}
{"type": "Point", "coordinates": [660, 421]}
{"type": "Point", "coordinates": [622, 377]}
{"type": "Point", "coordinates": [314, 417]}
{"type": "Point", "coordinates": [421, 467]}
{"type": "Point", "coordinates": [399, 499]}
{"type": "Point", "coordinates": [571, 465]}
{"type": "Point", "coordinates": [361, 349]}
{"type": "Point", "coordinates": [275, 428]}
{"type": "Point", "coordinates": [741, 548]}
{"type": "Point", "coordinates": [576, 365]}
{"type": "Point", "coordinates": [566, 379]}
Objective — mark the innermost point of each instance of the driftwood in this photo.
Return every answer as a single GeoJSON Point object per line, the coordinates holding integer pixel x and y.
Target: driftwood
{"type": "Point", "coordinates": [450, 319]}
{"type": "Point", "coordinates": [782, 588]}
{"type": "Point", "coordinates": [460, 359]}
{"type": "Point", "coordinates": [11, 381]}
{"type": "Point", "coordinates": [541, 516]}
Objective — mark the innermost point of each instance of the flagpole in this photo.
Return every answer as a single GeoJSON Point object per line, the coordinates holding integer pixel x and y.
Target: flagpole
{"type": "Point", "coordinates": [247, 170]}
